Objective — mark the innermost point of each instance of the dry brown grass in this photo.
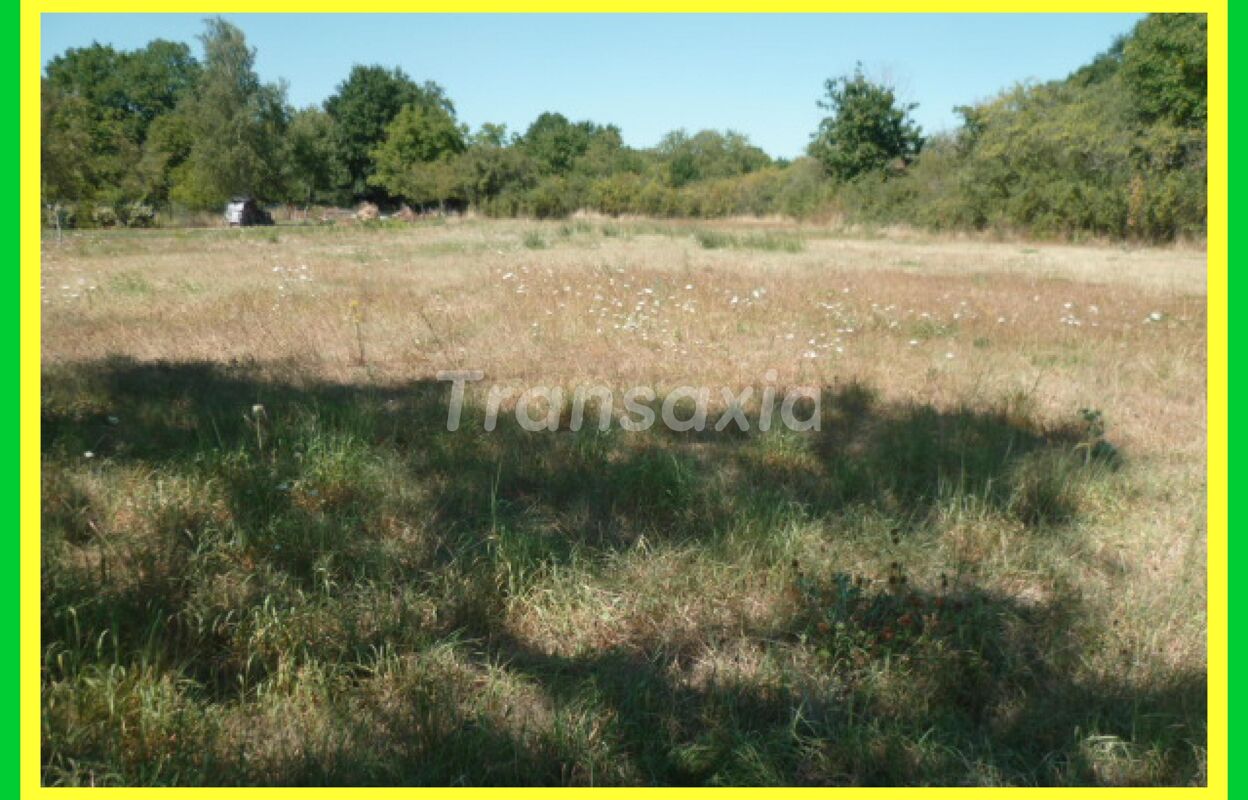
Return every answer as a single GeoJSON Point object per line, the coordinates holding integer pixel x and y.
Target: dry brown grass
{"type": "Point", "coordinates": [944, 324]}
{"type": "Point", "coordinates": [472, 296]}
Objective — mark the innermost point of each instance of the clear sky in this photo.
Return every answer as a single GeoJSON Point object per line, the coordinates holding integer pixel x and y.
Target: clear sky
{"type": "Point", "coordinates": [648, 74]}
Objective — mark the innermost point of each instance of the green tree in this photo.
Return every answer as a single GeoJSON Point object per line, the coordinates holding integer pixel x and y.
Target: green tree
{"type": "Point", "coordinates": [314, 171]}
{"type": "Point", "coordinates": [1102, 68]}
{"type": "Point", "coordinates": [414, 161]}
{"type": "Point", "coordinates": [1050, 159]}
{"type": "Point", "coordinates": [607, 154]}
{"type": "Point", "coordinates": [236, 125]}
{"type": "Point", "coordinates": [362, 108]}
{"type": "Point", "coordinates": [156, 79]}
{"type": "Point", "coordinates": [488, 167]}
{"type": "Point", "coordinates": [867, 129]}
{"type": "Point", "coordinates": [1164, 67]}
{"type": "Point", "coordinates": [1118, 148]}
{"type": "Point", "coordinates": [88, 72]}
{"type": "Point", "coordinates": [132, 88]}
{"type": "Point", "coordinates": [709, 154]}
{"type": "Point", "coordinates": [491, 134]}
{"type": "Point", "coordinates": [99, 105]}
{"type": "Point", "coordinates": [84, 155]}
{"type": "Point", "coordinates": [65, 141]}
{"type": "Point", "coordinates": [168, 146]}
{"type": "Point", "coordinates": [555, 143]}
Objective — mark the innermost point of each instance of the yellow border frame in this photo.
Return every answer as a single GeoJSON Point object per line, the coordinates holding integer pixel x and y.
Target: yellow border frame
{"type": "Point", "coordinates": [1217, 257]}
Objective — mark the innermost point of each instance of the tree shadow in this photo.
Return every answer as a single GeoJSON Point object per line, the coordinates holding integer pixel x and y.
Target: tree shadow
{"type": "Point", "coordinates": [976, 677]}
{"type": "Point", "coordinates": [901, 458]}
{"type": "Point", "coordinates": [928, 688]}
{"type": "Point", "coordinates": [311, 484]}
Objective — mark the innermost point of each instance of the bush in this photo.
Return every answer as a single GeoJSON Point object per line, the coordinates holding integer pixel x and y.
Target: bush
{"type": "Point", "coordinates": [139, 215]}
{"type": "Point", "coordinates": [554, 197]}
{"type": "Point", "coordinates": [104, 216]}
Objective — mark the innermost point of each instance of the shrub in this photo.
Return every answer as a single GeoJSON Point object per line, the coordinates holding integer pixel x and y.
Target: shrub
{"type": "Point", "coordinates": [139, 215]}
{"type": "Point", "coordinates": [104, 216]}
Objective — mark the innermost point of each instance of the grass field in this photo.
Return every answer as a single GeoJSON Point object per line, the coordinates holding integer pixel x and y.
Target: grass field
{"type": "Point", "coordinates": [266, 561]}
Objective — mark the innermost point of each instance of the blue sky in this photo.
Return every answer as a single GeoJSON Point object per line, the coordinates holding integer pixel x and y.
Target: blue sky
{"type": "Point", "coordinates": [758, 74]}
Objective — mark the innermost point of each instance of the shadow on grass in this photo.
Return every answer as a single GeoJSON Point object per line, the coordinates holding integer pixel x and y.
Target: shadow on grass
{"type": "Point", "coordinates": [612, 485]}
{"type": "Point", "coordinates": [329, 495]}
{"type": "Point", "coordinates": [968, 696]}
{"type": "Point", "coordinates": [966, 692]}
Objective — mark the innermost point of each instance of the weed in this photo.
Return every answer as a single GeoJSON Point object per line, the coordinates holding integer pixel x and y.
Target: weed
{"type": "Point", "coordinates": [774, 242]}
{"type": "Point", "coordinates": [130, 282]}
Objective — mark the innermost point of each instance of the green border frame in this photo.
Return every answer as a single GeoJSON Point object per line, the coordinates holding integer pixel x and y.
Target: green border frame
{"type": "Point", "coordinates": [1234, 432]}
{"type": "Point", "coordinates": [10, 407]}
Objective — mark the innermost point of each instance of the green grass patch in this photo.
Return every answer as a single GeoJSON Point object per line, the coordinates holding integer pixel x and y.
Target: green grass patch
{"type": "Point", "coordinates": [130, 282]}
{"type": "Point", "coordinates": [250, 579]}
{"type": "Point", "coordinates": [770, 241]}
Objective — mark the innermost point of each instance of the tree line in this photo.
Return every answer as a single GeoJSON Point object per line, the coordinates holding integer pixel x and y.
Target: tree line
{"type": "Point", "coordinates": [1116, 149]}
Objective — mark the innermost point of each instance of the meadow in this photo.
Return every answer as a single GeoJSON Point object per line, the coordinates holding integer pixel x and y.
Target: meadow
{"type": "Point", "coordinates": [266, 561]}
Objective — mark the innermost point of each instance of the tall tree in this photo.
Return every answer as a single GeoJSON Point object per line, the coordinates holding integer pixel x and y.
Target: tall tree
{"type": "Point", "coordinates": [132, 87]}
{"type": "Point", "coordinates": [555, 143]}
{"type": "Point", "coordinates": [608, 155]}
{"type": "Point", "coordinates": [1165, 65]}
{"type": "Point", "coordinates": [64, 146]}
{"type": "Point", "coordinates": [235, 122]}
{"type": "Point", "coordinates": [488, 166]}
{"type": "Point", "coordinates": [867, 128]}
{"type": "Point", "coordinates": [709, 154]}
{"type": "Point", "coordinates": [98, 108]}
{"type": "Point", "coordinates": [156, 78]}
{"type": "Point", "coordinates": [168, 146]}
{"type": "Point", "coordinates": [90, 73]}
{"type": "Point", "coordinates": [314, 171]}
{"type": "Point", "coordinates": [85, 155]}
{"type": "Point", "coordinates": [363, 106]}
{"type": "Point", "coordinates": [414, 161]}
